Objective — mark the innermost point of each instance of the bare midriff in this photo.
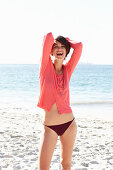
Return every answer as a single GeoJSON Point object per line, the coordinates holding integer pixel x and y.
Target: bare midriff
{"type": "Point", "coordinates": [54, 118]}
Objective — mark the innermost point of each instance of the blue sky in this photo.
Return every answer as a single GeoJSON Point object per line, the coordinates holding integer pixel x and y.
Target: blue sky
{"type": "Point", "coordinates": [25, 22]}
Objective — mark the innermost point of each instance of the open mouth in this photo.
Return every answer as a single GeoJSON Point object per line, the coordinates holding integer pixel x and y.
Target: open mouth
{"type": "Point", "coordinates": [59, 53]}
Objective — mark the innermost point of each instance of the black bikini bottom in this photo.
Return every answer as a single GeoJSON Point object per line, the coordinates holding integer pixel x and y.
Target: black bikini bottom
{"type": "Point", "coordinates": [60, 129]}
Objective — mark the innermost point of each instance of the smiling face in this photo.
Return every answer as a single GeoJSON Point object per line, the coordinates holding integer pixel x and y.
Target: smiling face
{"type": "Point", "coordinates": [59, 50]}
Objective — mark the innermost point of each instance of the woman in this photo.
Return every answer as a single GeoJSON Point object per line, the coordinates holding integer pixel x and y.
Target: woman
{"type": "Point", "coordinates": [54, 99]}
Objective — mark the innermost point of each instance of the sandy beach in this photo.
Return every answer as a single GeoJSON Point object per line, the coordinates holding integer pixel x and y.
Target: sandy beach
{"type": "Point", "coordinates": [20, 131]}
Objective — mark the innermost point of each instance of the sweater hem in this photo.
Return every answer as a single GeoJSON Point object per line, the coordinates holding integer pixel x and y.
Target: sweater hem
{"type": "Point", "coordinates": [60, 112]}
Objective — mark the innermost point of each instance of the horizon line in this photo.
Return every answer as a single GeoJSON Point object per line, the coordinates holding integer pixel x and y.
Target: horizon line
{"type": "Point", "coordinates": [81, 63]}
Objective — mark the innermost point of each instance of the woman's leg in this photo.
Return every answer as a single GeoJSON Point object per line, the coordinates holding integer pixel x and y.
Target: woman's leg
{"type": "Point", "coordinates": [67, 144]}
{"type": "Point", "coordinates": [48, 144]}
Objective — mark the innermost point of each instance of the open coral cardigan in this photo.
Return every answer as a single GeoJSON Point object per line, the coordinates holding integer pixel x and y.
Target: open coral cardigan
{"type": "Point", "coordinates": [49, 91]}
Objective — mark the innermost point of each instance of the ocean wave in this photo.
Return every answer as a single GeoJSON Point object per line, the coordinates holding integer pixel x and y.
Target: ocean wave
{"type": "Point", "coordinates": [91, 102]}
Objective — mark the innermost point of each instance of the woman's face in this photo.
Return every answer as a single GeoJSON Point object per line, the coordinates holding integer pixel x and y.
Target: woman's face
{"type": "Point", "coordinates": [59, 50]}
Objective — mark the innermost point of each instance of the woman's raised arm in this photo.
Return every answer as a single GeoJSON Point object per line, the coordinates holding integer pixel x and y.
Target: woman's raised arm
{"type": "Point", "coordinates": [77, 46]}
{"type": "Point", "coordinates": [47, 46]}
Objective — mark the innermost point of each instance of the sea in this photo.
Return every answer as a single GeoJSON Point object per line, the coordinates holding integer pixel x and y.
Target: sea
{"type": "Point", "coordinates": [91, 88]}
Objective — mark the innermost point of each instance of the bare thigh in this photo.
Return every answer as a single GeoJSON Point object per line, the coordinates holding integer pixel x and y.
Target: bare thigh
{"type": "Point", "coordinates": [48, 143]}
{"type": "Point", "coordinates": [67, 144]}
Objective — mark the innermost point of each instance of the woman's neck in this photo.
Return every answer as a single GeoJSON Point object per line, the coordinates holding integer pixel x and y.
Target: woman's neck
{"type": "Point", "coordinates": [58, 68]}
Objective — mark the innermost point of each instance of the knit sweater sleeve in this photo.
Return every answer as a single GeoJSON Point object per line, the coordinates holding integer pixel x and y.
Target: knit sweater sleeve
{"type": "Point", "coordinates": [46, 51]}
{"type": "Point", "coordinates": [77, 50]}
